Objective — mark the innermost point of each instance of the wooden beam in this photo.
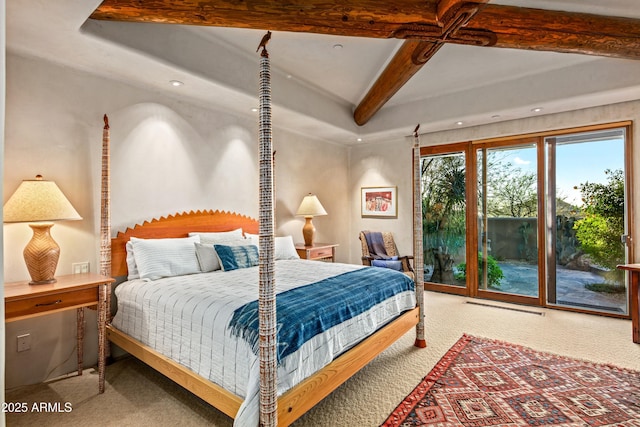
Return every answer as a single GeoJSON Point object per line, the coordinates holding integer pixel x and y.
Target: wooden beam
{"type": "Point", "coordinates": [514, 27]}
{"type": "Point", "coordinates": [399, 70]}
{"type": "Point", "coordinates": [448, 11]}
{"type": "Point", "coordinates": [453, 15]}
{"type": "Point", "coordinates": [557, 31]}
{"type": "Point", "coordinates": [361, 18]}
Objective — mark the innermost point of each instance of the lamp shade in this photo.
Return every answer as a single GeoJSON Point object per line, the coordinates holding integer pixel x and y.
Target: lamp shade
{"type": "Point", "coordinates": [311, 206]}
{"type": "Point", "coordinates": [38, 200]}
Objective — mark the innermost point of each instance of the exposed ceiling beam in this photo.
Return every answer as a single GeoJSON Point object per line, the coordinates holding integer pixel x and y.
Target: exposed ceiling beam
{"type": "Point", "coordinates": [362, 18]}
{"type": "Point", "coordinates": [557, 31]}
{"type": "Point", "coordinates": [425, 24]}
{"type": "Point", "coordinates": [515, 27]}
{"type": "Point", "coordinates": [399, 70]}
{"type": "Point", "coordinates": [452, 16]}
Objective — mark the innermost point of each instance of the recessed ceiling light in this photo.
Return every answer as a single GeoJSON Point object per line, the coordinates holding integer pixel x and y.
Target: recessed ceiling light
{"type": "Point", "coordinates": [495, 116]}
{"type": "Point", "coordinates": [337, 46]}
{"type": "Point", "coordinates": [536, 110]}
{"type": "Point", "coordinates": [254, 109]}
{"type": "Point", "coordinates": [359, 139]}
{"type": "Point", "coordinates": [459, 123]}
{"type": "Point", "coordinates": [175, 83]}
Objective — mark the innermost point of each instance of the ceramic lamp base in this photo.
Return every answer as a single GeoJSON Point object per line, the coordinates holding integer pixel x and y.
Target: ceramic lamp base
{"type": "Point", "coordinates": [41, 255]}
{"type": "Point", "coordinates": [308, 230]}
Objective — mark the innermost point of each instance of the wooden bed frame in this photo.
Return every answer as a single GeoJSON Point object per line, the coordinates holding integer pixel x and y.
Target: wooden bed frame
{"type": "Point", "coordinates": [295, 402]}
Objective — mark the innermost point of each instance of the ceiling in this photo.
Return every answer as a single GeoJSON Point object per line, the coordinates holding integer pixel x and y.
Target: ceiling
{"type": "Point", "coordinates": [318, 80]}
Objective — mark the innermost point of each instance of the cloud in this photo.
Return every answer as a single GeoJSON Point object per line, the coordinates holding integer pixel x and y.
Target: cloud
{"type": "Point", "coordinates": [519, 161]}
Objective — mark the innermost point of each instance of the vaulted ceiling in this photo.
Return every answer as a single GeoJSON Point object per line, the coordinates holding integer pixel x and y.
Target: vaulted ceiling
{"type": "Point", "coordinates": [370, 70]}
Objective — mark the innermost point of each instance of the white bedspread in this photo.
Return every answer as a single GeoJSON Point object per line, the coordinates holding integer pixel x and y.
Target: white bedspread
{"type": "Point", "coordinates": [185, 318]}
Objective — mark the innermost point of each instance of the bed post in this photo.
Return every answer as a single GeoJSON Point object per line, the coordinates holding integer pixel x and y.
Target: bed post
{"type": "Point", "coordinates": [417, 240]}
{"type": "Point", "coordinates": [266, 265]}
{"type": "Point", "coordinates": [105, 245]}
{"type": "Point", "coordinates": [105, 203]}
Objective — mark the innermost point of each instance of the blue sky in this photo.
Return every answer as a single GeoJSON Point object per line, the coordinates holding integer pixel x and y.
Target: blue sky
{"type": "Point", "coordinates": [576, 163]}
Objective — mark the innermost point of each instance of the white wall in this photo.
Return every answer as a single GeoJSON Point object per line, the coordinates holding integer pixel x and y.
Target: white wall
{"type": "Point", "coordinates": [168, 156]}
{"type": "Point", "coordinates": [383, 165]}
{"type": "Point", "coordinates": [391, 163]}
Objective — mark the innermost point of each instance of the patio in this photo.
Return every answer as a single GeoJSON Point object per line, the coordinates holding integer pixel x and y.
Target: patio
{"type": "Point", "coordinates": [522, 278]}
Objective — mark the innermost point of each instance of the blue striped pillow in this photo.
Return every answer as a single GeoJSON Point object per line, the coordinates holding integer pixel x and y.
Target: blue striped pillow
{"type": "Point", "coordinates": [235, 257]}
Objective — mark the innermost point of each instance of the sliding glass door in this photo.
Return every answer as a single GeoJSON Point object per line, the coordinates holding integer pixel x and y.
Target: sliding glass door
{"type": "Point", "coordinates": [540, 219]}
{"type": "Point", "coordinates": [444, 204]}
{"type": "Point", "coordinates": [508, 219]}
{"type": "Point", "coordinates": [586, 225]}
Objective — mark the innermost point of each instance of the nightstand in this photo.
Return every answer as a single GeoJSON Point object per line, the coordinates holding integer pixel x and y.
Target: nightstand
{"type": "Point", "coordinates": [317, 251]}
{"type": "Point", "coordinates": [75, 291]}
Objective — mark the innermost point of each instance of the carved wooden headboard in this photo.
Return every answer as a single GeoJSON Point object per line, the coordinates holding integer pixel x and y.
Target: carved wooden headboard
{"type": "Point", "coordinates": [178, 225]}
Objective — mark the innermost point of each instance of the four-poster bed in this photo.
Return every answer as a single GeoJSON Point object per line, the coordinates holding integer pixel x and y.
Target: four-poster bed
{"type": "Point", "coordinates": [298, 399]}
{"type": "Point", "coordinates": [281, 399]}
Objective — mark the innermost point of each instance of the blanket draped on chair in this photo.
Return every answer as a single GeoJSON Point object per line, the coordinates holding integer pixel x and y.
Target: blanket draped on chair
{"type": "Point", "coordinates": [375, 243]}
{"type": "Point", "coordinates": [381, 251]}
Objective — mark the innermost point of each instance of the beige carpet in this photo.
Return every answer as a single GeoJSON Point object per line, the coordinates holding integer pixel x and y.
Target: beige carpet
{"type": "Point", "coordinates": [137, 396]}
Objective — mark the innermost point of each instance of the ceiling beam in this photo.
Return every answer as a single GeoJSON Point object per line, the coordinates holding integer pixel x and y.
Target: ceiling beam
{"type": "Point", "coordinates": [452, 16]}
{"type": "Point", "coordinates": [448, 12]}
{"type": "Point", "coordinates": [557, 31]}
{"type": "Point", "coordinates": [515, 27]}
{"type": "Point", "coordinates": [398, 72]}
{"type": "Point", "coordinates": [360, 18]}
{"type": "Point", "coordinates": [425, 25]}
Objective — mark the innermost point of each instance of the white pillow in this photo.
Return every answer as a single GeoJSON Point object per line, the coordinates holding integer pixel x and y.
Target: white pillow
{"type": "Point", "coordinates": [284, 246]}
{"type": "Point", "coordinates": [132, 268]}
{"type": "Point", "coordinates": [158, 258]}
{"type": "Point", "coordinates": [207, 256]}
{"type": "Point", "coordinates": [253, 238]}
{"type": "Point", "coordinates": [218, 236]}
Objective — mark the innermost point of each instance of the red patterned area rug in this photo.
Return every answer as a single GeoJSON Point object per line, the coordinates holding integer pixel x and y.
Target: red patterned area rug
{"type": "Point", "coordinates": [481, 382]}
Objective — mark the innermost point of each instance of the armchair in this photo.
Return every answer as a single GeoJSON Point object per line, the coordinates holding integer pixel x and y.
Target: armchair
{"type": "Point", "coordinates": [380, 246]}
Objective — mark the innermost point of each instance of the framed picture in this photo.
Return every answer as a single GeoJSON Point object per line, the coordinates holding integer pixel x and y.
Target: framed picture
{"type": "Point", "coordinates": [379, 202]}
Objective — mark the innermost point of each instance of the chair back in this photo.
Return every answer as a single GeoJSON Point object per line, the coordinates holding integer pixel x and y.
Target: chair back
{"type": "Point", "coordinates": [389, 244]}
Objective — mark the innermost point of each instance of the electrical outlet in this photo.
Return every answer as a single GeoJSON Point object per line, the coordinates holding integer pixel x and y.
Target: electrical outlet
{"type": "Point", "coordinates": [80, 267]}
{"type": "Point", "coordinates": [24, 342]}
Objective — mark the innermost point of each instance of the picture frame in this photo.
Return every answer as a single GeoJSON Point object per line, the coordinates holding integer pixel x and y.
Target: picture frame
{"type": "Point", "coordinates": [379, 202]}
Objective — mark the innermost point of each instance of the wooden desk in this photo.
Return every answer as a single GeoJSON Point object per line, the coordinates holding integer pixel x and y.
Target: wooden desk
{"type": "Point", "coordinates": [317, 251]}
{"type": "Point", "coordinates": [76, 291]}
{"type": "Point", "coordinates": [634, 307]}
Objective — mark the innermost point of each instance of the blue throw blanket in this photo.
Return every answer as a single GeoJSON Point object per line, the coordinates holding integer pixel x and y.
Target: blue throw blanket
{"type": "Point", "coordinates": [375, 243]}
{"type": "Point", "coordinates": [307, 311]}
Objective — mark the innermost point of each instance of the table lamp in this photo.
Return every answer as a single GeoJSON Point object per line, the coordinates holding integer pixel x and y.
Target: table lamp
{"type": "Point", "coordinates": [40, 202]}
{"type": "Point", "coordinates": [309, 208]}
